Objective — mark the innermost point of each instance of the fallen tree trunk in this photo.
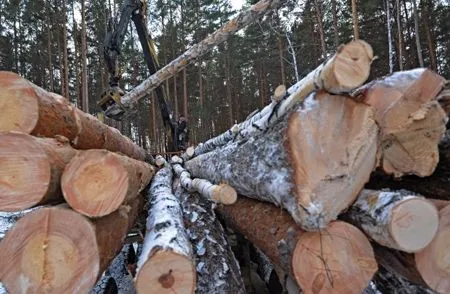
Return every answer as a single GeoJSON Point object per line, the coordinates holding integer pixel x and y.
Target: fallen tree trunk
{"type": "Point", "coordinates": [396, 219]}
{"type": "Point", "coordinates": [58, 250]}
{"type": "Point", "coordinates": [346, 70]}
{"type": "Point", "coordinates": [30, 109]}
{"type": "Point", "coordinates": [411, 121]}
{"type": "Point", "coordinates": [31, 169]}
{"type": "Point", "coordinates": [97, 182]}
{"type": "Point", "coordinates": [313, 162]}
{"type": "Point", "coordinates": [217, 268]}
{"type": "Point", "coordinates": [165, 264]}
{"type": "Point", "coordinates": [307, 256]}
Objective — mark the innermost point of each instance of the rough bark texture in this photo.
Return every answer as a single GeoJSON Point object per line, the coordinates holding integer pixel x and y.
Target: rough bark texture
{"type": "Point", "coordinates": [411, 121]}
{"type": "Point", "coordinates": [165, 264]}
{"type": "Point", "coordinates": [313, 162]}
{"type": "Point", "coordinates": [217, 268]}
{"type": "Point", "coordinates": [30, 109]}
{"type": "Point", "coordinates": [97, 182]}
{"type": "Point", "coordinates": [396, 219]}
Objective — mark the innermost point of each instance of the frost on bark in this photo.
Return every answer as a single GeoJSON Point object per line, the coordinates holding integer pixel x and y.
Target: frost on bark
{"type": "Point", "coordinates": [217, 268]}
{"type": "Point", "coordinates": [312, 162]}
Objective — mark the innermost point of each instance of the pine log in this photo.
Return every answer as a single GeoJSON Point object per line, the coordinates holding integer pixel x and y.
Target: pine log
{"type": "Point", "coordinates": [56, 250]}
{"type": "Point", "coordinates": [97, 182]}
{"type": "Point", "coordinates": [165, 264]}
{"type": "Point", "coordinates": [411, 121]}
{"type": "Point", "coordinates": [31, 169]}
{"type": "Point", "coordinates": [347, 69]}
{"type": "Point", "coordinates": [313, 162]}
{"type": "Point", "coordinates": [30, 109]}
{"type": "Point", "coordinates": [396, 219]}
{"type": "Point", "coordinates": [321, 262]}
{"type": "Point", "coordinates": [217, 268]}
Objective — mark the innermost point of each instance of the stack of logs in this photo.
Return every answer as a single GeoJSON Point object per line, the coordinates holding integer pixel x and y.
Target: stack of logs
{"type": "Point", "coordinates": [310, 170]}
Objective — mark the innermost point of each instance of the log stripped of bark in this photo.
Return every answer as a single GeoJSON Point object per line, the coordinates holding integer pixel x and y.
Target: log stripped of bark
{"type": "Point", "coordinates": [396, 219]}
{"type": "Point", "coordinates": [31, 169]}
{"type": "Point", "coordinates": [165, 264]}
{"type": "Point", "coordinates": [411, 121]}
{"type": "Point", "coordinates": [217, 268]}
{"type": "Point", "coordinates": [347, 69]}
{"type": "Point", "coordinates": [97, 182]}
{"type": "Point", "coordinates": [56, 250]}
{"type": "Point", "coordinates": [317, 260]}
{"type": "Point", "coordinates": [30, 109]}
{"type": "Point", "coordinates": [313, 162]}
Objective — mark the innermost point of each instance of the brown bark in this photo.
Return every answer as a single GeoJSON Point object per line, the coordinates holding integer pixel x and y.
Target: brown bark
{"type": "Point", "coordinates": [319, 17]}
{"type": "Point", "coordinates": [281, 55]}
{"type": "Point", "coordinates": [429, 34]}
{"type": "Point", "coordinates": [30, 109]}
{"type": "Point", "coordinates": [306, 255]}
{"type": "Point", "coordinates": [175, 96]}
{"type": "Point", "coordinates": [399, 34]}
{"type": "Point", "coordinates": [97, 182]}
{"type": "Point", "coordinates": [335, 23]}
{"type": "Point", "coordinates": [355, 20]}
{"type": "Point", "coordinates": [31, 169]}
{"type": "Point", "coordinates": [60, 251]}
{"type": "Point", "coordinates": [65, 90]}
{"type": "Point", "coordinates": [185, 100]}
{"type": "Point", "coordinates": [49, 49]}
{"type": "Point", "coordinates": [84, 81]}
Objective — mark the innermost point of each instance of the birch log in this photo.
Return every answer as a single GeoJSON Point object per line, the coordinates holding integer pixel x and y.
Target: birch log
{"type": "Point", "coordinates": [306, 256]}
{"type": "Point", "coordinates": [217, 268]}
{"type": "Point", "coordinates": [97, 182]}
{"type": "Point", "coordinates": [56, 250]}
{"type": "Point", "coordinates": [313, 162]}
{"type": "Point", "coordinates": [165, 264]}
{"type": "Point", "coordinates": [30, 109]}
{"type": "Point", "coordinates": [411, 121]}
{"type": "Point", "coordinates": [31, 169]}
{"type": "Point", "coordinates": [396, 219]}
{"type": "Point", "coordinates": [348, 69]}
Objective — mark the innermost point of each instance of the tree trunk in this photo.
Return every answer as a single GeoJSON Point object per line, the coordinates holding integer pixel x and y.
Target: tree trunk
{"type": "Point", "coordinates": [381, 215]}
{"type": "Point", "coordinates": [65, 91]}
{"type": "Point", "coordinates": [30, 109]}
{"type": "Point", "coordinates": [31, 169]}
{"type": "Point", "coordinates": [217, 268]}
{"type": "Point", "coordinates": [417, 33]}
{"type": "Point", "coordinates": [166, 262]}
{"type": "Point", "coordinates": [281, 55]}
{"type": "Point", "coordinates": [65, 251]}
{"type": "Point", "coordinates": [355, 20]}
{"type": "Point", "coordinates": [412, 122]}
{"type": "Point", "coordinates": [175, 96]}
{"type": "Point", "coordinates": [389, 29]}
{"type": "Point", "coordinates": [335, 23]}
{"type": "Point", "coordinates": [284, 165]}
{"type": "Point", "coordinates": [429, 35]}
{"type": "Point", "coordinates": [319, 17]}
{"type": "Point", "coordinates": [84, 81]}
{"type": "Point", "coordinates": [302, 254]}
{"type": "Point", "coordinates": [399, 34]}
{"type": "Point", "coordinates": [228, 85]}
{"type": "Point", "coordinates": [185, 98]}
{"type": "Point", "coordinates": [49, 50]}
{"type": "Point", "coordinates": [97, 182]}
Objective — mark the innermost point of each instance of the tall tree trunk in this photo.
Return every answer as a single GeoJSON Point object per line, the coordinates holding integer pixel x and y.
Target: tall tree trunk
{"type": "Point", "coordinates": [429, 34]}
{"type": "Point", "coordinates": [75, 58]}
{"type": "Point", "coordinates": [389, 29]}
{"type": "Point", "coordinates": [185, 100]}
{"type": "Point", "coordinates": [228, 86]}
{"type": "Point", "coordinates": [335, 23]}
{"type": "Point", "coordinates": [400, 35]}
{"type": "Point", "coordinates": [417, 33]}
{"type": "Point", "coordinates": [65, 91]}
{"type": "Point", "coordinates": [280, 50]}
{"type": "Point", "coordinates": [49, 49]}
{"type": "Point", "coordinates": [355, 20]}
{"type": "Point", "coordinates": [175, 96]}
{"type": "Point", "coordinates": [84, 86]}
{"type": "Point", "coordinates": [319, 16]}
{"type": "Point", "coordinates": [154, 121]}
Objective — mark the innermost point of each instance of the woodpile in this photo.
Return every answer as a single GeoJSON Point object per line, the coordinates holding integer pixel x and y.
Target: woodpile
{"type": "Point", "coordinates": [316, 193]}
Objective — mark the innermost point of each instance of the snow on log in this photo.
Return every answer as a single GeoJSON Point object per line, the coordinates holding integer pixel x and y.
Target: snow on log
{"type": "Point", "coordinates": [307, 256]}
{"type": "Point", "coordinates": [411, 121]}
{"type": "Point", "coordinates": [217, 268]}
{"type": "Point", "coordinates": [165, 264]}
{"type": "Point", "coordinates": [396, 219]}
{"type": "Point", "coordinates": [60, 251]}
{"type": "Point", "coordinates": [313, 162]}
{"type": "Point", "coordinates": [97, 182]}
{"type": "Point", "coordinates": [30, 109]}
{"type": "Point", "coordinates": [31, 169]}
{"type": "Point", "coordinates": [347, 69]}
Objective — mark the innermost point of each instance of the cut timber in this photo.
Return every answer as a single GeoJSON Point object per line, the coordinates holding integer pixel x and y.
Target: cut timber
{"type": "Point", "coordinates": [411, 121]}
{"type": "Point", "coordinates": [433, 263]}
{"type": "Point", "coordinates": [165, 264]}
{"type": "Point", "coordinates": [31, 169]}
{"type": "Point", "coordinates": [97, 182]}
{"type": "Point", "coordinates": [313, 162]}
{"type": "Point", "coordinates": [347, 69]}
{"type": "Point", "coordinates": [396, 219]}
{"type": "Point", "coordinates": [217, 268]}
{"type": "Point", "coordinates": [56, 250]}
{"type": "Point", "coordinates": [346, 251]}
{"type": "Point", "coordinates": [30, 109]}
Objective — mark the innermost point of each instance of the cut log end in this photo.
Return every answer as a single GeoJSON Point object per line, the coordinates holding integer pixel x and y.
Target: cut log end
{"type": "Point", "coordinates": [279, 93]}
{"type": "Point", "coordinates": [166, 272]}
{"type": "Point", "coordinates": [160, 161]}
{"type": "Point", "coordinates": [326, 262]}
{"type": "Point", "coordinates": [224, 194]}
{"type": "Point", "coordinates": [95, 183]}
{"type": "Point", "coordinates": [190, 151]}
{"type": "Point", "coordinates": [414, 223]}
{"type": "Point", "coordinates": [28, 253]}
{"type": "Point", "coordinates": [18, 104]}
{"type": "Point", "coordinates": [25, 171]}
